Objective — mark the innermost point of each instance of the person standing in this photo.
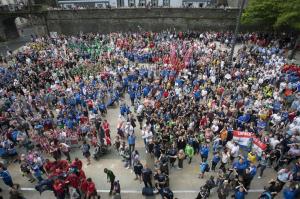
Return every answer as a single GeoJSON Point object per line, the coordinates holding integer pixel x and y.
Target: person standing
{"type": "Point", "coordinates": [204, 151]}
{"type": "Point", "coordinates": [65, 149]}
{"type": "Point", "coordinates": [73, 180]}
{"type": "Point", "coordinates": [216, 159]}
{"type": "Point", "coordinates": [147, 135]}
{"type": "Point", "coordinates": [291, 192]}
{"type": "Point", "coordinates": [223, 190]}
{"type": "Point", "coordinates": [132, 96]}
{"type": "Point", "coordinates": [204, 167]}
{"type": "Point", "coordinates": [6, 177]}
{"type": "Point", "coordinates": [172, 154]}
{"type": "Point", "coordinates": [59, 189]}
{"type": "Point", "coordinates": [263, 161]}
{"type": "Point", "coordinates": [167, 193]}
{"type": "Point", "coordinates": [181, 157]}
{"type": "Point", "coordinates": [85, 148]}
{"type": "Point", "coordinates": [224, 160]}
{"type": "Point", "coordinates": [110, 179]}
{"type": "Point", "coordinates": [129, 130]}
{"type": "Point", "coordinates": [131, 142]}
{"type": "Point", "coordinates": [189, 151]}
{"type": "Point", "coordinates": [140, 115]}
{"type": "Point", "coordinates": [106, 128]}
{"type": "Point", "coordinates": [234, 152]}
{"type": "Point", "coordinates": [37, 173]}
{"type": "Point", "coordinates": [240, 192]}
{"type": "Point", "coordinates": [25, 169]}
{"type": "Point", "coordinates": [83, 188]}
{"type": "Point", "coordinates": [147, 176]}
{"type": "Point", "coordinates": [55, 150]}
{"type": "Point", "coordinates": [137, 168]}
{"type": "Point", "coordinates": [77, 163]}
{"type": "Point", "coordinates": [91, 189]}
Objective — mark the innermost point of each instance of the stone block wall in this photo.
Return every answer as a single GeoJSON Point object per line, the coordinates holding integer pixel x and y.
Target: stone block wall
{"type": "Point", "coordinates": [157, 19]}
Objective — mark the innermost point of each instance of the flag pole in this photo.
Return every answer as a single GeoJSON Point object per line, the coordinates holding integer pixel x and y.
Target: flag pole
{"type": "Point", "coordinates": [237, 26]}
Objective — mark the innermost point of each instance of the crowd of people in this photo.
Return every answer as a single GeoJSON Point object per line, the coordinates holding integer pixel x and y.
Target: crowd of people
{"type": "Point", "coordinates": [186, 99]}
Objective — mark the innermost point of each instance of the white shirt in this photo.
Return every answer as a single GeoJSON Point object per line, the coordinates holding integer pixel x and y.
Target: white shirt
{"type": "Point", "coordinates": [225, 157]}
{"type": "Point", "coordinates": [140, 109]}
{"type": "Point", "coordinates": [276, 118]}
{"type": "Point", "coordinates": [227, 76]}
{"type": "Point", "coordinates": [128, 129]}
{"type": "Point", "coordinates": [235, 151]}
{"type": "Point", "coordinates": [147, 135]}
{"type": "Point", "coordinates": [64, 147]}
{"type": "Point", "coordinates": [274, 142]}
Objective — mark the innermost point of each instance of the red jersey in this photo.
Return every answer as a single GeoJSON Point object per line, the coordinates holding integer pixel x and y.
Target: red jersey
{"type": "Point", "coordinates": [84, 186]}
{"type": "Point", "coordinates": [166, 94]}
{"type": "Point", "coordinates": [107, 139]}
{"type": "Point", "coordinates": [203, 122]}
{"type": "Point", "coordinates": [91, 188]}
{"type": "Point", "coordinates": [73, 180]}
{"type": "Point", "coordinates": [105, 126]}
{"type": "Point", "coordinates": [49, 167]}
{"type": "Point", "coordinates": [64, 165]}
{"type": "Point", "coordinates": [58, 187]}
{"type": "Point", "coordinates": [77, 164]}
{"type": "Point", "coordinates": [82, 175]}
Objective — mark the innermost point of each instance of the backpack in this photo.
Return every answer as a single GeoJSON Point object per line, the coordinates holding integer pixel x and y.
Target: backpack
{"type": "Point", "coordinates": [147, 191]}
{"type": "Point", "coordinates": [117, 187]}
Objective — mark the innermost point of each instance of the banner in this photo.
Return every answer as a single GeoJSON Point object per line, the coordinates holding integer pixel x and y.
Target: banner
{"type": "Point", "coordinates": [242, 138]}
{"type": "Point", "coordinates": [248, 140]}
{"type": "Point", "coordinates": [258, 145]}
{"type": "Point", "coordinates": [53, 34]}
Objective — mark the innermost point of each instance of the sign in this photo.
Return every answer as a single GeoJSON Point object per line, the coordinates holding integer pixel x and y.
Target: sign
{"type": "Point", "coordinates": [53, 34]}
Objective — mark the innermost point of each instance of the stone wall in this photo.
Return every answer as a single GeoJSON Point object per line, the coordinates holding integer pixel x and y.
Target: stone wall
{"type": "Point", "coordinates": [8, 28]}
{"type": "Point", "coordinates": [157, 19]}
{"type": "Point", "coordinates": [72, 22]}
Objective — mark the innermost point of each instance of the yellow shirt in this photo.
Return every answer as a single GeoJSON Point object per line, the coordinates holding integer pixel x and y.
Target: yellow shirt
{"type": "Point", "coordinates": [252, 158]}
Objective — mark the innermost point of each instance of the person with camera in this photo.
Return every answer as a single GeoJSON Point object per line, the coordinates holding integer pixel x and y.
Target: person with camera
{"type": "Point", "coordinates": [137, 168]}
{"type": "Point", "coordinates": [292, 191]}
{"type": "Point", "coordinates": [160, 180]}
{"type": "Point", "coordinates": [147, 176]}
{"type": "Point", "coordinates": [59, 188]}
{"type": "Point", "coordinates": [223, 190]}
{"type": "Point", "coordinates": [240, 192]}
{"type": "Point", "coordinates": [172, 154]}
{"type": "Point", "coordinates": [166, 193]}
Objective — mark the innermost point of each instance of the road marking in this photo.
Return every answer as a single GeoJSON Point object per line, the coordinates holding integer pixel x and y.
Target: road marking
{"type": "Point", "coordinates": [140, 191]}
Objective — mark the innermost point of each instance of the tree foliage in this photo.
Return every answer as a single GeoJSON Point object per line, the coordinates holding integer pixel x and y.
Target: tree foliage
{"type": "Point", "coordinates": [273, 13]}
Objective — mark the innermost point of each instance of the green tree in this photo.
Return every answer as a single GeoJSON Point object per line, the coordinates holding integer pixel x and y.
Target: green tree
{"type": "Point", "coordinates": [275, 14]}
